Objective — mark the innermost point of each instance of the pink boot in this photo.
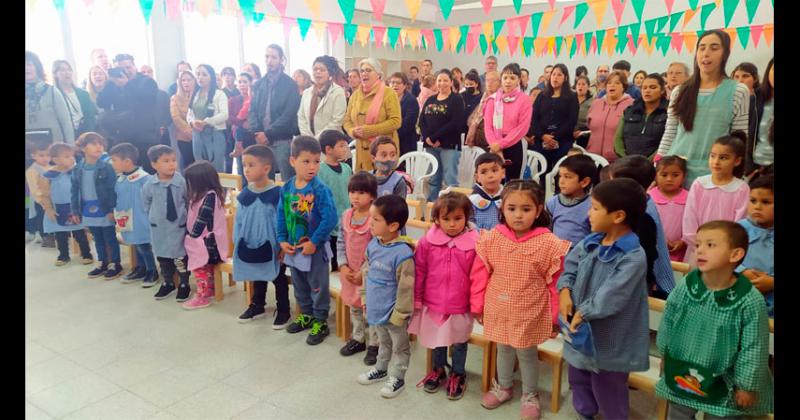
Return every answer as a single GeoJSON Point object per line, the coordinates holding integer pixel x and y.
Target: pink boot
{"type": "Point", "coordinates": [200, 299]}
{"type": "Point", "coordinates": [496, 396]}
{"type": "Point", "coordinates": [529, 406]}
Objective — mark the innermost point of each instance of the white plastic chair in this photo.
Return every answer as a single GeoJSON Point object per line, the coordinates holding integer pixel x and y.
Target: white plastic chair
{"type": "Point", "coordinates": [420, 165]}
{"type": "Point", "coordinates": [550, 183]}
{"type": "Point", "coordinates": [352, 146]}
{"type": "Point", "coordinates": [466, 167]}
{"type": "Point", "coordinates": [538, 164]}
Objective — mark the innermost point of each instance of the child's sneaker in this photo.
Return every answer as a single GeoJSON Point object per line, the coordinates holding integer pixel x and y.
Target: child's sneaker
{"type": "Point", "coordinates": [319, 330]}
{"type": "Point", "coordinates": [281, 320]}
{"type": "Point", "coordinates": [87, 260]}
{"type": "Point", "coordinates": [302, 322]}
{"type": "Point", "coordinates": [98, 271]}
{"type": "Point", "coordinates": [352, 347]}
{"type": "Point", "coordinates": [135, 274]}
{"type": "Point", "coordinates": [199, 301]}
{"type": "Point", "coordinates": [529, 406]}
{"type": "Point", "coordinates": [456, 385]}
{"type": "Point", "coordinates": [436, 378]}
{"type": "Point", "coordinates": [183, 292]}
{"type": "Point", "coordinates": [150, 279]}
{"type": "Point", "coordinates": [372, 356]}
{"type": "Point", "coordinates": [392, 387]}
{"type": "Point", "coordinates": [372, 376]}
{"type": "Point", "coordinates": [113, 271]}
{"type": "Point", "coordinates": [496, 396]}
{"type": "Point", "coordinates": [252, 313]}
{"type": "Point", "coordinates": [166, 289]}
{"type": "Point", "coordinates": [60, 262]}
{"type": "Point", "coordinates": [49, 241]}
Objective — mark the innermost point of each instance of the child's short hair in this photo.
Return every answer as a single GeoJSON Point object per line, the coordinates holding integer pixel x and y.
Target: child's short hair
{"type": "Point", "coordinates": [393, 208]}
{"type": "Point", "coordinates": [605, 173]}
{"type": "Point", "coordinates": [90, 137]}
{"type": "Point", "coordinates": [583, 166]}
{"type": "Point", "coordinates": [33, 146]}
{"type": "Point", "coordinates": [488, 158]}
{"type": "Point", "coordinates": [330, 138]}
{"type": "Point", "coordinates": [672, 160]}
{"type": "Point", "coordinates": [302, 144]}
{"type": "Point", "coordinates": [764, 181]}
{"type": "Point", "coordinates": [125, 151]}
{"type": "Point", "coordinates": [449, 202]}
{"type": "Point", "coordinates": [735, 141]}
{"type": "Point", "coordinates": [365, 182]}
{"type": "Point", "coordinates": [635, 167]}
{"type": "Point", "coordinates": [735, 233]}
{"type": "Point", "coordinates": [622, 194]}
{"type": "Point", "coordinates": [154, 153]}
{"type": "Point", "coordinates": [537, 194]}
{"type": "Point", "coordinates": [261, 152]}
{"type": "Point", "coordinates": [56, 149]}
{"type": "Point", "coordinates": [373, 149]}
{"type": "Point", "coordinates": [577, 150]}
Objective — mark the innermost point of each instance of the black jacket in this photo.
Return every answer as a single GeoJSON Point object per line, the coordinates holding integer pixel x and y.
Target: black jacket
{"type": "Point", "coordinates": [284, 104]}
{"type": "Point", "coordinates": [137, 102]}
{"type": "Point", "coordinates": [640, 134]}
{"type": "Point", "coordinates": [470, 103]}
{"type": "Point", "coordinates": [104, 181]}
{"type": "Point", "coordinates": [409, 110]}
{"type": "Point", "coordinates": [441, 121]}
{"type": "Point", "coordinates": [560, 113]}
{"type": "Point", "coordinates": [756, 112]}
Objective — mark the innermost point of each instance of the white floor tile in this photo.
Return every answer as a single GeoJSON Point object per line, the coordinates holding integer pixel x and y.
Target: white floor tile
{"type": "Point", "coordinates": [35, 353]}
{"type": "Point", "coordinates": [73, 395]}
{"type": "Point", "coordinates": [167, 388]}
{"type": "Point", "coordinates": [121, 406]}
{"type": "Point", "coordinates": [50, 373]}
{"type": "Point", "coordinates": [33, 412]}
{"type": "Point", "coordinates": [219, 401]}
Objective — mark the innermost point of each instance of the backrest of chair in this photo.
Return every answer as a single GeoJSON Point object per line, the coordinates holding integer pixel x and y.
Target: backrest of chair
{"type": "Point", "coordinates": [468, 156]}
{"type": "Point", "coordinates": [656, 312]}
{"type": "Point", "coordinates": [417, 229]}
{"type": "Point", "coordinates": [598, 160]}
{"type": "Point", "coordinates": [550, 178]}
{"type": "Point", "coordinates": [352, 146]}
{"type": "Point", "coordinates": [230, 181]}
{"type": "Point", "coordinates": [538, 164]}
{"type": "Point", "coordinates": [419, 165]}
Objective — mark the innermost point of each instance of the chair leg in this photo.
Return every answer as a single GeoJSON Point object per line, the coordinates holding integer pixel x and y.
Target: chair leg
{"type": "Point", "coordinates": [218, 293]}
{"type": "Point", "coordinates": [661, 409]}
{"type": "Point", "coordinates": [347, 323]}
{"type": "Point", "coordinates": [486, 372]}
{"type": "Point", "coordinates": [132, 255]}
{"type": "Point", "coordinates": [231, 281]}
{"type": "Point", "coordinates": [555, 402]}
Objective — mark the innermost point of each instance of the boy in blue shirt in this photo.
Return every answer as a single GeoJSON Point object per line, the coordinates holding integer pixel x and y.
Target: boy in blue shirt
{"type": "Point", "coordinates": [306, 218]}
{"type": "Point", "coordinates": [133, 221]}
{"type": "Point", "coordinates": [759, 263]}
{"type": "Point", "coordinates": [570, 207]}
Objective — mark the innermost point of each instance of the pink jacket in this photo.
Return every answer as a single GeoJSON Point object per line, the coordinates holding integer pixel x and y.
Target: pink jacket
{"type": "Point", "coordinates": [443, 280]}
{"type": "Point", "coordinates": [516, 120]}
{"type": "Point", "coordinates": [602, 121]}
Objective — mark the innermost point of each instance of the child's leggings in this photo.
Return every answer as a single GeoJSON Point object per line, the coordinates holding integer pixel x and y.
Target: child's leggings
{"type": "Point", "coordinates": [281, 291]}
{"type": "Point", "coordinates": [169, 266]}
{"type": "Point", "coordinates": [205, 280]}
{"type": "Point", "coordinates": [144, 256]}
{"type": "Point", "coordinates": [459, 357]}
{"type": "Point", "coordinates": [681, 412]}
{"type": "Point", "coordinates": [528, 367]}
{"type": "Point", "coordinates": [362, 332]}
{"type": "Point", "coordinates": [606, 392]}
{"type": "Point", "coordinates": [62, 240]}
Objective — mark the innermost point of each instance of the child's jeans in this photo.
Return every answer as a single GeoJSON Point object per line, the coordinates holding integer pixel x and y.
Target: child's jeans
{"type": "Point", "coordinates": [393, 346]}
{"type": "Point", "coordinates": [681, 412]}
{"type": "Point", "coordinates": [311, 288]}
{"type": "Point", "coordinates": [606, 392]}
{"type": "Point", "coordinates": [528, 367]}
{"type": "Point", "coordinates": [144, 256]}
{"type": "Point", "coordinates": [362, 332]}
{"type": "Point", "coordinates": [281, 291]}
{"type": "Point", "coordinates": [105, 239]}
{"type": "Point", "coordinates": [62, 239]}
{"type": "Point", "coordinates": [459, 358]}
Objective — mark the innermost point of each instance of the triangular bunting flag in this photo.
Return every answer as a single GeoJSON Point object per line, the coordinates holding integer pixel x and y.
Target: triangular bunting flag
{"type": "Point", "coordinates": [205, 7]}
{"type": "Point", "coordinates": [335, 30]}
{"type": "Point", "coordinates": [677, 42]}
{"type": "Point", "coordinates": [377, 8]}
{"type": "Point", "coordinates": [488, 31]}
{"type": "Point", "coordinates": [437, 36]}
{"type": "Point", "coordinates": [574, 47]}
{"type": "Point", "coordinates": [664, 43]}
{"type": "Point", "coordinates": [319, 29]}
{"type": "Point", "coordinates": [280, 5]}
{"type": "Point", "coordinates": [650, 27]}
{"type": "Point", "coordinates": [567, 12]}
{"type": "Point", "coordinates": [147, 9]}
{"type": "Point", "coordinates": [755, 33]}
{"type": "Point", "coordinates": [673, 21]}
{"type": "Point", "coordinates": [487, 7]}
{"type": "Point", "coordinates": [744, 35]}
{"type": "Point", "coordinates": [546, 18]}
{"type": "Point", "coordinates": [445, 38]}
{"type": "Point", "coordinates": [536, 20]}
{"type": "Point", "coordinates": [731, 33]}
{"type": "Point", "coordinates": [587, 42]}
{"type": "Point", "coordinates": [350, 32]}
{"type": "Point", "coordinates": [502, 44]}
{"type": "Point", "coordinates": [687, 17]}
{"type": "Point", "coordinates": [305, 25]}
{"type": "Point", "coordinates": [347, 7]}
{"type": "Point", "coordinates": [413, 8]}
{"type": "Point", "coordinates": [716, 2]}
{"type": "Point", "coordinates": [648, 45]}
{"type": "Point", "coordinates": [634, 28]}
{"type": "Point", "coordinates": [638, 8]}
{"type": "Point", "coordinates": [472, 41]}
{"type": "Point", "coordinates": [580, 12]}
{"type": "Point", "coordinates": [258, 17]}
{"type": "Point", "coordinates": [446, 6]}
{"type": "Point", "coordinates": [523, 22]}
{"type": "Point", "coordinates": [669, 4]}
{"type": "Point", "coordinates": [314, 6]}
{"type": "Point", "coordinates": [559, 42]}
{"type": "Point", "coordinates": [517, 5]}
{"type": "Point", "coordinates": [705, 11]}
{"type": "Point", "coordinates": [288, 24]}
{"type": "Point", "coordinates": [618, 7]}
{"type": "Point", "coordinates": [693, 4]}
{"type": "Point", "coordinates": [768, 33]}
{"type": "Point", "coordinates": [752, 6]}
{"type": "Point", "coordinates": [622, 37]}
{"type": "Point", "coordinates": [393, 33]}
{"type": "Point", "coordinates": [611, 41]}
{"type": "Point", "coordinates": [729, 7]}
{"type": "Point", "coordinates": [552, 4]}
{"type": "Point", "coordinates": [498, 26]}
{"type": "Point", "coordinates": [599, 8]}
{"type": "Point", "coordinates": [631, 45]}
{"type": "Point", "coordinates": [594, 49]}
{"type": "Point", "coordinates": [414, 37]}
{"type": "Point", "coordinates": [540, 45]}
{"type": "Point", "coordinates": [513, 44]}
{"type": "Point", "coordinates": [527, 44]}
{"type": "Point", "coordinates": [662, 22]}
{"type": "Point", "coordinates": [464, 30]}
{"type": "Point", "coordinates": [362, 34]}
{"type": "Point", "coordinates": [174, 10]}
{"type": "Point", "coordinates": [551, 43]}
{"type": "Point", "coordinates": [600, 36]}
{"type": "Point", "coordinates": [495, 47]}
{"type": "Point", "coordinates": [483, 43]}
{"type": "Point", "coordinates": [427, 36]}
{"type": "Point", "coordinates": [378, 32]}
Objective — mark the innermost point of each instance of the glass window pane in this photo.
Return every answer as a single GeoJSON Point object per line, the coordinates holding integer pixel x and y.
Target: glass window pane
{"type": "Point", "coordinates": [43, 34]}
{"type": "Point", "coordinates": [302, 53]}
{"type": "Point", "coordinates": [256, 39]}
{"type": "Point", "coordinates": [211, 40]}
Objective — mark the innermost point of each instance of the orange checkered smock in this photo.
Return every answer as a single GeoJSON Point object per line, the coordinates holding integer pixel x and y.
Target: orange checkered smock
{"type": "Point", "coordinates": [517, 301]}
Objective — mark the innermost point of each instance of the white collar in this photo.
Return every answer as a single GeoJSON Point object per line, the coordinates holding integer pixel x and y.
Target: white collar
{"type": "Point", "coordinates": [733, 186]}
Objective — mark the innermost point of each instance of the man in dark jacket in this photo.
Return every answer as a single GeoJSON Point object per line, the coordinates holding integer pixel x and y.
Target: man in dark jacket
{"type": "Point", "coordinates": [273, 111]}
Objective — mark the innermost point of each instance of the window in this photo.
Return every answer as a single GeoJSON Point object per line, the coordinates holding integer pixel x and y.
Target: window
{"type": "Point", "coordinates": [256, 38]}
{"type": "Point", "coordinates": [302, 53]}
{"type": "Point", "coordinates": [211, 40]}
{"type": "Point", "coordinates": [43, 34]}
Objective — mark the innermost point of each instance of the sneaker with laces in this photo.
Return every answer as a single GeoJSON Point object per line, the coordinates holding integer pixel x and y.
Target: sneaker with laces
{"type": "Point", "coordinates": [352, 347]}
{"type": "Point", "coordinates": [62, 262]}
{"type": "Point", "coordinates": [393, 387]}
{"type": "Point", "coordinates": [436, 378]}
{"type": "Point", "coordinates": [98, 271]}
{"type": "Point", "coordinates": [529, 406]}
{"type": "Point", "coordinates": [183, 292]}
{"type": "Point", "coordinates": [302, 322]}
{"type": "Point", "coordinates": [372, 376]}
{"type": "Point", "coordinates": [87, 260]}
{"type": "Point", "coordinates": [319, 330]}
{"type": "Point", "coordinates": [281, 320]}
{"type": "Point", "coordinates": [166, 289]}
{"type": "Point", "coordinates": [372, 355]}
{"type": "Point", "coordinates": [252, 312]}
{"type": "Point", "coordinates": [456, 385]}
{"type": "Point", "coordinates": [197, 302]}
{"type": "Point", "coordinates": [113, 271]}
{"type": "Point", "coordinates": [496, 396]}
{"type": "Point", "coordinates": [150, 279]}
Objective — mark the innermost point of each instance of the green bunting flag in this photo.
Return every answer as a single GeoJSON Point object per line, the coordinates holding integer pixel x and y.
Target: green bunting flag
{"type": "Point", "coordinates": [536, 20]}
{"type": "Point", "coordinates": [424, 43]}
{"type": "Point", "coordinates": [650, 27]}
{"type": "Point", "coordinates": [752, 6]}
{"type": "Point", "coordinates": [59, 5]}
{"type": "Point", "coordinates": [729, 8]}
{"type": "Point", "coordinates": [662, 22]}
{"type": "Point", "coordinates": [483, 43]}
{"type": "Point", "coordinates": [527, 45]}
{"type": "Point", "coordinates": [559, 41]}
{"type": "Point", "coordinates": [693, 4]}
{"type": "Point", "coordinates": [574, 48]}
{"type": "Point", "coordinates": [437, 36]}
{"type": "Point", "coordinates": [446, 6]}
{"type": "Point", "coordinates": [462, 43]}
{"type": "Point", "coordinates": [638, 7]}
{"type": "Point", "coordinates": [663, 43]}
{"type": "Point", "coordinates": [248, 7]}
{"type": "Point", "coordinates": [580, 12]}
{"type": "Point", "coordinates": [350, 32]}
{"type": "Point", "coordinates": [147, 9]}
{"type": "Point", "coordinates": [258, 17]}
{"type": "Point", "coordinates": [347, 6]}
{"type": "Point", "coordinates": [498, 26]}
{"type": "Point", "coordinates": [304, 25]}
{"type": "Point", "coordinates": [744, 34]}
{"type": "Point", "coordinates": [495, 48]}
{"type": "Point", "coordinates": [517, 5]}
{"type": "Point", "coordinates": [600, 34]}
{"type": "Point", "coordinates": [394, 33]}
{"type": "Point", "coordinates": [587, 42]}
{"type": "Point", "coordinates": [705, 11]}
{"type": "Point", "coordinates": [622, 37]}
{"type": "Point", "coordinates": [635, 28]}
{"type": "Point", "coordinates": [673, 21]}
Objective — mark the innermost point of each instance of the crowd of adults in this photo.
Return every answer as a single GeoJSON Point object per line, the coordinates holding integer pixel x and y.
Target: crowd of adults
{"type": "Point", "coordinates": [214, 116]}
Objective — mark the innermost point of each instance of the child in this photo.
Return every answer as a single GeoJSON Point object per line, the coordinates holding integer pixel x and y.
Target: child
{"type": "Point", "coordinates": [306, 217]}
{"type": "Point", "coordinates": [255, 238]}
{"type": "Point", "coordinates": [164, 200]}
{"type": "Point", "coordinates": [384, 156]}
{"type": "Point", "coordinates": [94, 199]}
{"type": "Point", "coordinates": [206, 241]}
{"type": "Point", "coordinates": [41, 164]}
{"type": "Point", "coordinates": [523, 259]}
{"type": "Point", "coordinates": [54, 193]}
{"type": "Point", "coordinates": [670, 199]}
{"type": "Point", "coordinates": [660, 277]}
{"type": "Point", "coordinates": [133, 222]}
{"type": "Point", "coordinates": [603, 286]}
{"type": "Point", "coordinates": [570, 208]}
{"type": "Point", "coordinates": [352, 243]}
{"type": "Point", "coordinates": [574, 151]}
{"type": "Point", "coordinates": [487, 191]}
{"type": "Point", "coordinates": [721, 195]}
{"type": "Point", "coordinates": [759, 263]}
{"type": "Point", "coordinates": [388, 294]}
{"type": "Point", "coordinates": [443, 302]}
{"type": "Point", "coordinates": [335, 175]}
{"type": "Point", "coordinates": [715, 335]}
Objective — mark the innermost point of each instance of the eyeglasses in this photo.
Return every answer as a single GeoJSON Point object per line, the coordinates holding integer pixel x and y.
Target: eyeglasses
{"type": "Point", "coordinates": [365, 70]}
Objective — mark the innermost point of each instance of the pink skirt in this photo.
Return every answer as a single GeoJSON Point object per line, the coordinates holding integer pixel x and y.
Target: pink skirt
{"type": "Point", "coordinates": [440, 330]}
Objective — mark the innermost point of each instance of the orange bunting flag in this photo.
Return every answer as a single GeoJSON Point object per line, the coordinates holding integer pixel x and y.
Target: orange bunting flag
{"type": "Point", "coordinates": [647, 44]}
{"type": "Point", "coordinates": [314, 6]}
{"type": "Point", "coordinates": [599, 8]}
{"type": "Point", "coordinates": [690, 41]}
{"type": "Point", "coordinates": [540, 45]}
{"type": "Point", "coordinates": [363, 34]}
{"type": "Point", "coordinates": [732, 33]}
{"type": "Point", "coordinates": [502, 43]}
{"type": "Point", "coordinates": [319, 29]}
{"type": "Point", "coordinates": [488, 30]}
{"type": "Point", "coordinates": [455, 37]}
{"type": "Point", "coordinates": [413, 8]}
{"type": "Point", "coordinates": [546, 18]}
{"type": "Point", "coordinates": [769, 31]}
{"type": "Point", "coordinates": [687, 16]}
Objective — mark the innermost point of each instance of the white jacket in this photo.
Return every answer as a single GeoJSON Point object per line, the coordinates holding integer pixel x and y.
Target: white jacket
{"type": "Point", "coordinates": [329, 115]}
{"type": "Point", "coordinates": [220, 117]}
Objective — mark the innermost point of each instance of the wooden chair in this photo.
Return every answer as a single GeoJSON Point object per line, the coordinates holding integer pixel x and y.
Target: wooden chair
{"type": "Point", "coordinates": [488, 365]}
{"type": "Point", "coordinates": [415, 206]}
{"type": "Point", "coordinates": [646, 381]}
{"type": "Point", "coordinates": [225, 267]}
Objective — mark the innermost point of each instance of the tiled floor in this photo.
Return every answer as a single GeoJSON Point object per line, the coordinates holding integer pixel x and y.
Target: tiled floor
{"type": "Point", "coordinates": [104, 350]}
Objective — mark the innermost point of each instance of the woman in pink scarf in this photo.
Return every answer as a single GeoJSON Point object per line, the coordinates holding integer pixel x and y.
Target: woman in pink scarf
{"type": "Point", "coordinates": [238, 107]}
{"type": "Point", "coordinates": [507, 117]}
{"type": "Point", "coordinates": [373, 110]}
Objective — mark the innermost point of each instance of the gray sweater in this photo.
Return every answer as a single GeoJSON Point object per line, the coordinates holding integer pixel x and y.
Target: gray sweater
{"type": "Point", "coordinates": [46, 108]}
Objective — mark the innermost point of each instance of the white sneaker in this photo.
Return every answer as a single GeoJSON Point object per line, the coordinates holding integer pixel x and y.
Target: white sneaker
{"type": "Point", "coordinates": [38, 238]}
{"type": "Point", "coordinates": [392, 387]}
{"type": "Point", "coordinates": [371, 376]}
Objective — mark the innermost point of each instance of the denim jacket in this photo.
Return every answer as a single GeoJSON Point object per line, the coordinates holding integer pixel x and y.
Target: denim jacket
{"type": "Point", "coordinates": [104, 180]}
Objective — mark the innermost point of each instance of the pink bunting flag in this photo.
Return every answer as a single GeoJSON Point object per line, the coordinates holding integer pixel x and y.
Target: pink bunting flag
{"type": "Point", "coordinates": [445, 37]}
{"type": "Point", "coordinates": [280, 5]}
{"type": "Point", "coordinates": [377, 8]}
{"type": "Point", "coordinates": [487, 6]}
{"type": "Point", "coordinates": [472, 41]}
{"type": "Point", "coordinates": [378, 31]}
{"type": "Point", "coordinates": [552, 4]}
{"type": "Point", "coordinates": [173, 9]}
{"type": "Point", "coordinates": [618, 7]}
{"type": "Point", "coordinates": [513, 44]}
{"type": "Point", "coordinates": [567, 12]}
{"type": "Point", "coordinates": [631, 45]}
{"type": "Point", "coordinates": [523, 22]}
{"type": "Point", "coordinates": [669, 4]}
{"type": "Point", "coordinates": [287, 26]}
{"type": "Point", "coordinates": [579, 41]}
{"type": "Point", "coordinates": [755, 33]}
{"type": "Point", "coordinates": [677, 42]}
{"type": "Point", "coordinates": [336, 30]}
{"type": "Point", "coordinates": [476, 29]}
{"type": "Point", "coordinates": [428, 34]}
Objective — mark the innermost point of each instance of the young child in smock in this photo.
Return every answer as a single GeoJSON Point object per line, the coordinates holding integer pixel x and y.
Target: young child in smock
{"type": "Point", "coordinates": [206, 241]}
{"type": "Point", "coordinates": [255, 237]}
{"type": "Point", "coordinates": [721, 195]}
{"type": "Point", "coordinates": [603, 292]}
{"type": "Point", "coordinates": [759, 263]}
{"type": "Point", "coordinates": [133, 222]}
{"type": "Point", "coordinates": [487, 191]}
{"type": "Point", "coordinates": [54, 195]}
{"type": "Point", "coordinates": [523, 259]}
{"type": "Point", "coordinates": [670, 199]}
{"type": "Point", "coordinates": [443, 291]}
{"type": "Point", "coordinates": [335, 174]}
{"type": "Point", "coordinates": [353, 239]}
{"type": "Point", "coordinates": [164, 199]}
{"type": "Point", "coordinates": [715, 334]}
{"type": "Point", "coordinates": [570, 207]}
{"type": "Point", "coordinates": [384, 156]}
